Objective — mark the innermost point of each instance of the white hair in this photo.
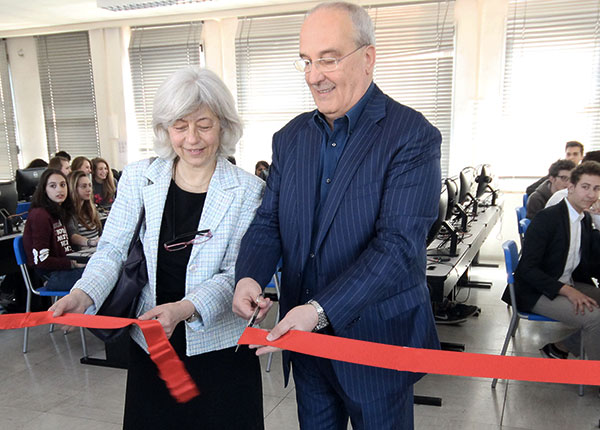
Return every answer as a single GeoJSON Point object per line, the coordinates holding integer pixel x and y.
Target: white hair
{"type": "Point", "coordinates": [364, 32]}
{"type": "Point", "coordinates": [183, 93]}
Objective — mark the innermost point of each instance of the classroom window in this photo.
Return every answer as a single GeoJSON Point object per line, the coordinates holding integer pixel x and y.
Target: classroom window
{"type": "Point", "coordinates": [68, 98]}
{"type": "Point", "coordinates": [415, 57]}
{"type": "Point", "coordinates": [155, 52]}
{"type": "Point", "coordinates": [551, 82]}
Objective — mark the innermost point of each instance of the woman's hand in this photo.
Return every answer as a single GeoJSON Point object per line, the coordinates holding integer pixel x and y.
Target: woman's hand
{"type": "Point", "coordinates": [170, 314]}
{"type": "Point", "coordinates": [76, 301]}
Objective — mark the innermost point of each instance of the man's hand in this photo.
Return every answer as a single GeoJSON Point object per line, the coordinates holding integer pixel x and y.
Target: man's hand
{"type": "Point", "coordinates": [170, 314]}
{"type": "Point", "coordinates": [580, 301]}
{"type": "Point", "coordinates": [303, 318]}
{"type": "Point", "coordinates": [246, 297]}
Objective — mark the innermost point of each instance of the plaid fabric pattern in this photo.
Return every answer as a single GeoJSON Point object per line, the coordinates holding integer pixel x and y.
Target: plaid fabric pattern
{"type": "Point", "coordinates": [232, 198]}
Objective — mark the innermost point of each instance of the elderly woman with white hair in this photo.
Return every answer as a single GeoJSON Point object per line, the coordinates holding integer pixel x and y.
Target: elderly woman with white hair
{"type": "Point", "coordinates": [197, 208]}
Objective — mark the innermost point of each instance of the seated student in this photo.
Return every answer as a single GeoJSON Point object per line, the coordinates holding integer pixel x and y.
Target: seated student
{"type": "Point", "coordinates": [82, 163]}
{"type": "Point", "coordinates": [45, 237]}
{"type": "Point", "coordinates": [63, 154]}
{"type": "Point", "coordinates": [558, 178]}
{"type": "Point", "coordinates": [84, 227]}
{"type": "Point", "coordinates": [60, 163]}
{"type": "Point", "coordinates": [37, 162]}
{"type": "Point", "coordinates": [573, 152]}
{"type": "Point", "coordinates": [104, 184]}
{"type": "Point", "coordinates": [559, 257]}
{"type": "Point", "coordinates": [561, 194]}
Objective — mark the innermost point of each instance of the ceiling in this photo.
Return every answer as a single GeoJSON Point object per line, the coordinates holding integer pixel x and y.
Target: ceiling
{"type": "Point", "coordinates": [26, 17]}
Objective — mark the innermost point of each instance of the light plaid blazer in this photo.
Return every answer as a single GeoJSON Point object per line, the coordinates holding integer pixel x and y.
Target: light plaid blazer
{"type": "Point", "coordinates": [232, 198]}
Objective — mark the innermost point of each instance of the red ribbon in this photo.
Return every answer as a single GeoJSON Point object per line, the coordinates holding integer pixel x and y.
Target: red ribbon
{"type": "Point", "coordinates": [431, 361]}
{"type": "Point", "coordinates": [170, 367]}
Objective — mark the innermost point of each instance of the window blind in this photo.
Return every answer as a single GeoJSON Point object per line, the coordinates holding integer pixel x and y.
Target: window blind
{"type": "Point", "coordinates": [155, 52]}
{"type": "Point", "coordinates": [551, 83]}
{"type": "Point", "coordinates": [415, 56]}
{"type": "Point", "coordinates": [8, 143]}
{"type": "Point", "coordinates": [67, 84]}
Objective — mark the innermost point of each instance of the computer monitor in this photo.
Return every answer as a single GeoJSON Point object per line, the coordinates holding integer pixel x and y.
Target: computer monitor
{"type": "Point", "coordinates": [8, 197]}
{"type": "Point", "coordinates": [8, 204]}
{"type": "Point", "coordinates": [466, 181]}
{"type": "Point", "coordinates": [437, 224]}
{"type": "Point", "coordinates": [452, 191]}
{"type": "Point", "coordinates": [454, 187]}
{"type": "Point", "coordinates": [27, 180]}
{"type": "Point", "coordinates": [482, 180]}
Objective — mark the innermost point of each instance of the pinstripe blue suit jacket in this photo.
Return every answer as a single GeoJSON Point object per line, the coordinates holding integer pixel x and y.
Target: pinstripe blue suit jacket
{"type": "Point", "coordinates": [370, 245]}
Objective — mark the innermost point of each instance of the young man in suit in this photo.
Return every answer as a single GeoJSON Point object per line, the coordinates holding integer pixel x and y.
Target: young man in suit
{"type": "Point", "coordinates": [352, 191]}
{"type": "Point", "coordinates": [560, 255]}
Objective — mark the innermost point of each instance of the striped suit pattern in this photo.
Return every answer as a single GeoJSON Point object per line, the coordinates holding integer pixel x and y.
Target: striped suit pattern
{"type": "Point", "coordinates": [231, 201]}
{"type": "Point", "coordinates": [370, 243]}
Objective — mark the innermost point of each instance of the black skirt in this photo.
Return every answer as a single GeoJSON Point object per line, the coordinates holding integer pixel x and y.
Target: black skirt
{"type": "Point", "coordinates": [229, 383]}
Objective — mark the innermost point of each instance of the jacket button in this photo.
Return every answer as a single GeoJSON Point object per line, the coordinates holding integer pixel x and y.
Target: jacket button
{"type": "Point", "coordinates": [192, 268]}
{"type": "Point", "coordinates": [312, 255]}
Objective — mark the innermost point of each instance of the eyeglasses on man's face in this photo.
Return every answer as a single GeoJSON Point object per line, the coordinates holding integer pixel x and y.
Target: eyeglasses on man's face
{"type": "Point", "coordinates": [186, 239]}
{"type": "Point", "coordinates": [325, 64]}
{"type": "Point", "coordinates": [564, 178]}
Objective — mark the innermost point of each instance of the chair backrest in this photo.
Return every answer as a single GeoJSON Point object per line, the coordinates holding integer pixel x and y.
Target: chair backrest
{"type": "Point", "coordinates": [511, 259]}
{"type": "Point", "coordinates": [523, 224]}
{"type": "Point", "coordinates": [20, 254]}
{"type": "Point", "coordinates": [521, 213]}
{"type": "Point", "coordinates": [525, 198]}
{"type": "Point", "coordinates": [23, 209]}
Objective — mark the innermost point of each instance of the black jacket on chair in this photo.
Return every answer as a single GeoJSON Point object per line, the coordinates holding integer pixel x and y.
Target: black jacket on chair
{"type": "Point", "coordinates": [544, 255]}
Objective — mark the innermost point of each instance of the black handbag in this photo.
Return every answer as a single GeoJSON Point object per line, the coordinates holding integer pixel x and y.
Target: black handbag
{"type": "Point", "coordinates": [124, 297]}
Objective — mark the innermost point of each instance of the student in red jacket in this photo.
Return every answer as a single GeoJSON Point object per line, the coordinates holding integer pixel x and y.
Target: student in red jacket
{"type": "Point", "coordinates": [45, 237]}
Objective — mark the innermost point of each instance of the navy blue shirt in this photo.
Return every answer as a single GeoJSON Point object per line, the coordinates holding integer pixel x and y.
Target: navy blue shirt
{"type": "Point", "coordinates": [333, 143]}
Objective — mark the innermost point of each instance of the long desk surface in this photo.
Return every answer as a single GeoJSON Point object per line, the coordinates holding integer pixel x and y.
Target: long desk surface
{"type": "Point", "coordinates": [443, 276]}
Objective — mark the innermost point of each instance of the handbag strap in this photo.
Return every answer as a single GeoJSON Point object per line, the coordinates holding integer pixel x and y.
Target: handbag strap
{"type": "Point", "coordinates": [138, 227]}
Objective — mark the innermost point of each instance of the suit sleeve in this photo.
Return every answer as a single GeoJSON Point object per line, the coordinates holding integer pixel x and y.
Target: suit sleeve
{"type": "Point", "coordinates": [103, 269]}
{"type": "Point", "coordinates": [409, 205]}
{"type": "Point", "coordinates": [214, 296]}
{"type": "Point", "coordinates": [530, 268]}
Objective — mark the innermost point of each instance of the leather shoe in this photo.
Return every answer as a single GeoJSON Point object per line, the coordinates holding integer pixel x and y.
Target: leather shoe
{"type": "Point", "coordinates": [551, 351]}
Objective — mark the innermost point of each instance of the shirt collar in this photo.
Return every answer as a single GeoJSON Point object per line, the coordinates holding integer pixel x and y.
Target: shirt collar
{"type": "Point", "coordinates": [352, 115]}
{"type": "Point", "coordinates": [574, 216]}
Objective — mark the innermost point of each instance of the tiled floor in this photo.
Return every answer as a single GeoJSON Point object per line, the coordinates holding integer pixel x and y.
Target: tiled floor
{"type": "Point", "coordinates": [47, 388]}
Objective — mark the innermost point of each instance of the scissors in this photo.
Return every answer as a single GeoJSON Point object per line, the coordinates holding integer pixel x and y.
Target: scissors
{"type": "Point", "coordinates": [252, 319]}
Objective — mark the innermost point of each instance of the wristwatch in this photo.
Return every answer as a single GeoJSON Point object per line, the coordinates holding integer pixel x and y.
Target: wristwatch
{"type": "Point", "coordinates": [193, 317]}
{"type": "Point", "coordinates": [323, 321]}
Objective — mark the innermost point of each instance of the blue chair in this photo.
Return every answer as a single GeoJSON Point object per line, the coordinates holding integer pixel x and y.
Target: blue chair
{"type": "Point", "coordinates": [521, 215]}
{"type": "Point", "coordinates": [525, 198]}
{"type": "Point", "coordinates": [511, 258]}
{"type": "Point", "coordinates": [21, 258]}
{"type": "Point", "coordinates": [523, 225]}
{"type": "Point", "coordinates": [23, 209]}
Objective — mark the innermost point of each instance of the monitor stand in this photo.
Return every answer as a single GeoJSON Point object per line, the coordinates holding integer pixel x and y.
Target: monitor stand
{"type": "Point", "coordinates": [451, 251]}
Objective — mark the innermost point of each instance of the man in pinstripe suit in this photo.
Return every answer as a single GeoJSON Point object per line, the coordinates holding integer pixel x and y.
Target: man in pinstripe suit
{"type": "Point", "coordinates": [352, 191]}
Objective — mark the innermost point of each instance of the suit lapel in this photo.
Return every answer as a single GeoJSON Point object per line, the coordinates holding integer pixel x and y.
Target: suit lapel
{"type": "Point", "coordinates": [309, 141]}
{"type": "Point", "coordinates": [218, 200]}
{"type": "Point", "coordinates": [358, 145]}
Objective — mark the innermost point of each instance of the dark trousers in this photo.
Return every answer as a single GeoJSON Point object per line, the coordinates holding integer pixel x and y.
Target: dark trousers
{"type": "Point", "coordinates": [323, 405]}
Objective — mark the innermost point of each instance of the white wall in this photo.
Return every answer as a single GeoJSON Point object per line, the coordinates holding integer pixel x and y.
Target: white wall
{"type": "Point", "coordinates": [477, 86]}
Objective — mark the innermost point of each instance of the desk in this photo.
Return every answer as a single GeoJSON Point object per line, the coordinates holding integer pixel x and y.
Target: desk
{"type": "Point", "coordinates": [443, 277]}
{"type": "Point", "coordinates": [82, 256]}
{"type": "Point", "coordinates": [8, 262]}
